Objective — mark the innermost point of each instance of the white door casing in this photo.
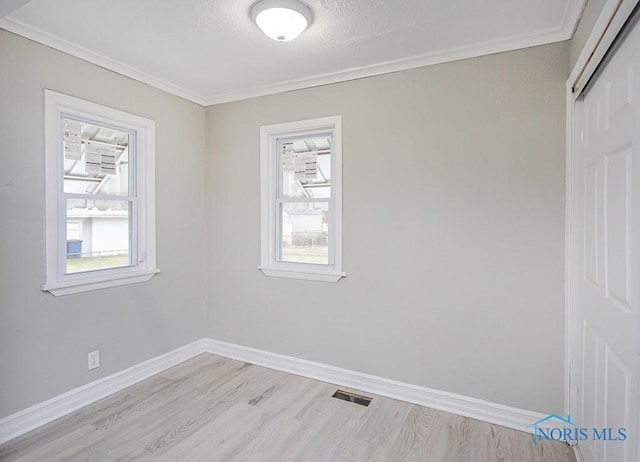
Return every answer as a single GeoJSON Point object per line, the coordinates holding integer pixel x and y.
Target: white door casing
{"type": "Point", "coordinates": [605, 281]}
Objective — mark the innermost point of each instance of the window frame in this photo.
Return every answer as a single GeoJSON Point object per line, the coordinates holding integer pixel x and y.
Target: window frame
{"type": "Point", "coordinates": [143, 235]}
{"type": "Point", "coordinates": [270, 178]}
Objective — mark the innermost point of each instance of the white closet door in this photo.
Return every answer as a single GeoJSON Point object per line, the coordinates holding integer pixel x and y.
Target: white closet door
{"type": "Point", "coordinates": [606, 264]}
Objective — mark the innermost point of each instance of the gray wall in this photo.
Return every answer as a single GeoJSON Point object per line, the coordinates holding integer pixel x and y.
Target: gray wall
{"type": "Point", "coordinates": [44, 340]}
{"type": "Point", "coordinates": [590, 14]}
{"type": "Point", "coordinates": [453, 229]}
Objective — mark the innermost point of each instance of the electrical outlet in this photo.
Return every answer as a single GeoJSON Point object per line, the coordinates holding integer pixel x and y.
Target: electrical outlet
{"type": "Point", "coordinates": [94, 359]}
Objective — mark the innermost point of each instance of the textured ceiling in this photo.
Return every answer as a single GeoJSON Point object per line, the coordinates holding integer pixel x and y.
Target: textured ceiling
{"type": "Point", "coordinates": [209, 51]}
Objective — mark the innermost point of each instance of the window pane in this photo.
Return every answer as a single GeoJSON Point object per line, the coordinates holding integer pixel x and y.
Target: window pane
{"type": "Point", "coordinates": [96, 159]}
{"type": "Point", "coordinates": [103, 235]}
{"type": "Point", "coordinates": [305, 164]}
{"type": "Point", "coordinates": [304, 232]}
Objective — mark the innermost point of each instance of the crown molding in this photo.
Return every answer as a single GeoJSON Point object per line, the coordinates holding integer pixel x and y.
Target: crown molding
{"type": "Point", "coordinates": [440, 57]}
{"type": "Point", "coordinates": [542, 37]}
{"type": "Point", "coordinates": [572, 16]}
{"type": "Point", "coordinates": [37, 35]}
{"type": "Point", "coordinates": [560, 33]}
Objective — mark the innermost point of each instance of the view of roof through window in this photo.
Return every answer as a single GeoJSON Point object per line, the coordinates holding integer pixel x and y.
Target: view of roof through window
{"type": "Point", "coordinates": [316, 180]}
{"type": "Point", "coordinates": [96, 159]}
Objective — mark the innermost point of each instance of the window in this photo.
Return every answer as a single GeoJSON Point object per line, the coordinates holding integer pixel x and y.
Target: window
{"type": "Point", "coordinates": [301, 204]}
{"type": "Point", "coordinates": [100, 204]}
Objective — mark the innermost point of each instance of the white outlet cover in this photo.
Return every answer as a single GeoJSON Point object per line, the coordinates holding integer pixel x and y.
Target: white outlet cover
{"type": "Point", "coordinates": [94, 359]}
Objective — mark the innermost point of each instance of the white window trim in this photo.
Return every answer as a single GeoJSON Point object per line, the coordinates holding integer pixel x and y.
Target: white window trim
{"type": "Point", "coordinates": [269, 264]}
{"type": "Point", "coordinates": [57, 104]}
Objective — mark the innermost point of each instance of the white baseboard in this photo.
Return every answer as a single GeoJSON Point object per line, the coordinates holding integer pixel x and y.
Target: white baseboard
{"type": "Point", "coordinates": [35, 416]}
{"type": "Point", "coordinates": [486, 411]}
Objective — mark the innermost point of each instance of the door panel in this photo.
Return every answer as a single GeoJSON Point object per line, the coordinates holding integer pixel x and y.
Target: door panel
{"type": "Point", "coordinates": [591, 224]}
{"type": "Point", "coordinates": [616, 216]}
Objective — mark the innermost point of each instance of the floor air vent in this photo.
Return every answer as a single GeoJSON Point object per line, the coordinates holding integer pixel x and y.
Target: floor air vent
{"type": "Point", "coordinates": [352, 397]}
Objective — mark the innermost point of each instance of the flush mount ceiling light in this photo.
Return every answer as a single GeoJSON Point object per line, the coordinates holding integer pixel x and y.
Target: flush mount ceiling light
{"type": "Point", "coordinates": [281, 20]}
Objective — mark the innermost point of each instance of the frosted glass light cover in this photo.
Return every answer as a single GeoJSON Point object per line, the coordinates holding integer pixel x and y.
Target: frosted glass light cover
{"type": "Point", "coordinates": [281, 20]}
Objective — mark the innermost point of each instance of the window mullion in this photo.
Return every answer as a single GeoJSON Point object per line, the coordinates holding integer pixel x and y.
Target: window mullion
{"type": "Point", "coordinates": [305, 200]}
{"type": "Point", "coordinates": [98, 197]}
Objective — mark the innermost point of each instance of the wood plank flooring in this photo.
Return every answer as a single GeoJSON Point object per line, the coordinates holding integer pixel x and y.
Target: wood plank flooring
{"type": "Point", "coordinates": [216, 409]}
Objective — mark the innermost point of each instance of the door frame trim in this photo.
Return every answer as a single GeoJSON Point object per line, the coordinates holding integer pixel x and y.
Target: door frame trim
{"type": "Point", "coordinates": [612, 19]}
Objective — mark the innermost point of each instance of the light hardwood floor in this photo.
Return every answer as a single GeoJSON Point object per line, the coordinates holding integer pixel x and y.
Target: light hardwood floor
{"type": "Point", "coordinates": [217, 409]}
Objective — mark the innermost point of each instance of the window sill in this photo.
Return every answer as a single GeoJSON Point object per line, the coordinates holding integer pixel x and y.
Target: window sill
{"type": "Point", "coordinates": [103, 282]}
{"type": "Point", "coordinates": [309, 275]}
